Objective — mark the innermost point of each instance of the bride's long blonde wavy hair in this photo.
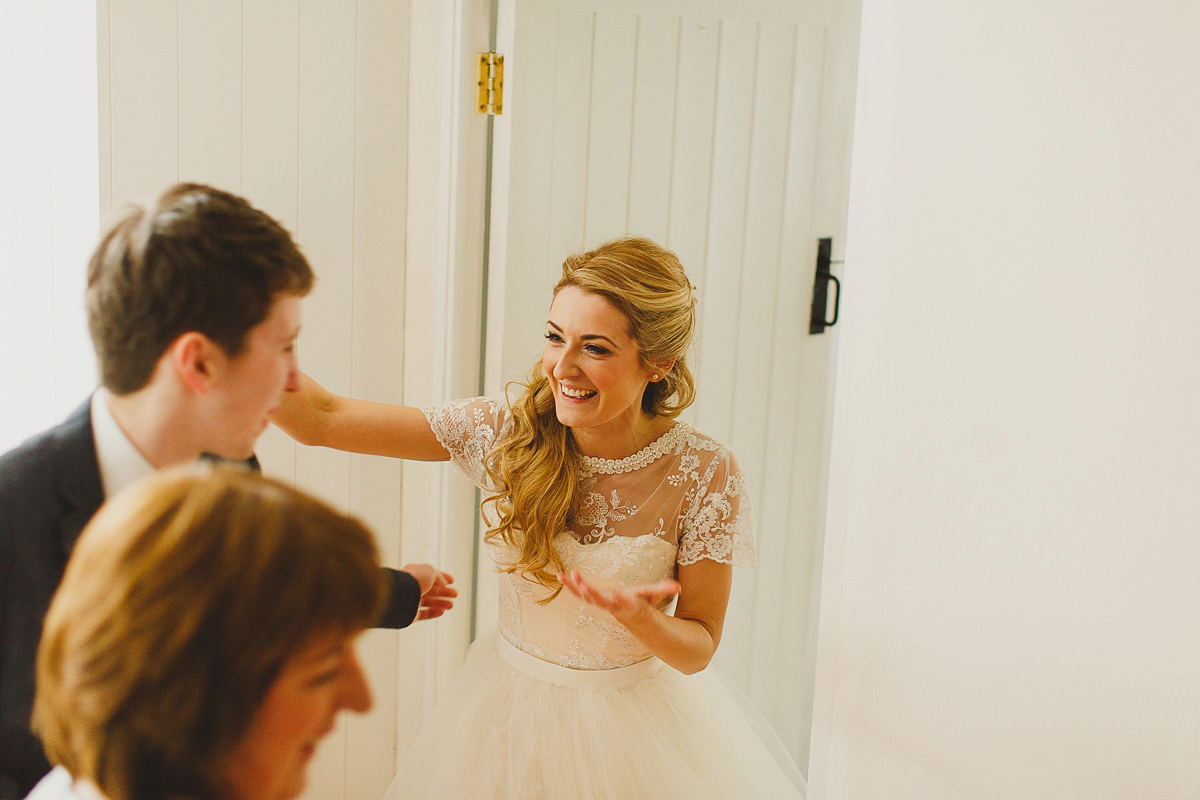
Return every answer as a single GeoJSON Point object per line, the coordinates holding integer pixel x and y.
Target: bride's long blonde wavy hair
{"type": "Point", "coordinates": [535, 463]}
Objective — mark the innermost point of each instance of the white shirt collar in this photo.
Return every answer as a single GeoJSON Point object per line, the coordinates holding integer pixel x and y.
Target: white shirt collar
{"type": "Point", "coordinates": [120, 462]}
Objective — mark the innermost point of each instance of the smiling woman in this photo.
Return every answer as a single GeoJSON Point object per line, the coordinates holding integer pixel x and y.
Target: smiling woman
{"type": "Point", "coordinates": [202, 641]}
{"type": "Point", "coordinates": [592, 485]}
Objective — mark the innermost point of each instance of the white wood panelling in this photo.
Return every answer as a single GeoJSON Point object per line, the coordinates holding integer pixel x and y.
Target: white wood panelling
{"type": "Point", "coordinates": [377, 341]}
{"type": "Point", "coordinates": [269, 157]}
{"type": "Point", "coordinates": [303, 106]}
{"type": "Point", "coordinates": [696, 124]}
{"type": "Point", "coordinates": [446, 153]}
{"type": "Point", "coordinates": [610, 135]}
{"type": "Point", "coordinates": [653, 126]}
{"type": "Point", "coordinates": [143, 97]}
{"type": "Point", "coordinates": [210, 78]}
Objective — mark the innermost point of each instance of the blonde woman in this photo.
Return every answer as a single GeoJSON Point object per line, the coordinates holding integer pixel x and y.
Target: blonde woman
{"type": "Point", "coordinates": [592, 484]}
{"type": "Point", "coordinates": [202, 641]}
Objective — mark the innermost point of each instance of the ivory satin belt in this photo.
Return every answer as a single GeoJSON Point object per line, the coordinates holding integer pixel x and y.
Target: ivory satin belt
{"type": "Point", "coordinates": [575, 678]}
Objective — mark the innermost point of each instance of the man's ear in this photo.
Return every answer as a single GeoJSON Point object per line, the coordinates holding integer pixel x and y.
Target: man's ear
{"type": "Point", "coordinates": [194, 358]}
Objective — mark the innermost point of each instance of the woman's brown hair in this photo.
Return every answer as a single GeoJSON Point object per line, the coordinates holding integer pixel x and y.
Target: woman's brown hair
{"type": "Point", "coordinates": [182, 600]}
{"type": "Point", "coordinates": [535, 463]}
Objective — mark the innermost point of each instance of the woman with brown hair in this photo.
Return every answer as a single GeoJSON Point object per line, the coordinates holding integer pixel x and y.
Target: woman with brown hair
{"type": "Point", "coordinates": [202, 641]}
{"type": "Point", "coordinates": [593, 484]}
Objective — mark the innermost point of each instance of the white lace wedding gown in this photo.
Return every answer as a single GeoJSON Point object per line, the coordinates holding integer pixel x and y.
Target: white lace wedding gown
{"type": "Point", "coordinates": [564, 702]}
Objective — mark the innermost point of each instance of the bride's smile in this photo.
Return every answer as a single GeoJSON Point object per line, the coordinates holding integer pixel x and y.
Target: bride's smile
{"type": "Point", "coordinates": [597, 375]}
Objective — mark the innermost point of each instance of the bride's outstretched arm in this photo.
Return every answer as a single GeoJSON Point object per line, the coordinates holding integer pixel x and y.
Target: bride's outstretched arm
{"type": "Point", "coordinates": [688, 640]}
{"type": "Point", "coordinates": [314, 415]}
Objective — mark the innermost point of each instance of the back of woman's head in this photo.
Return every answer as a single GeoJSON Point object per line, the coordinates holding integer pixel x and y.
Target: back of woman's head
{"type": "Point", "coordinates": [647, 283]}
{"type": "Point", "coordinates": [182, 600]}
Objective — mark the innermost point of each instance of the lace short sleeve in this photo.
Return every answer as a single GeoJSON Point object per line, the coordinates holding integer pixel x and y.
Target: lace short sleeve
{"type": "Point", "coordinates": [717, 525]}
{"type": "Point", "coordinates": [468, 429]}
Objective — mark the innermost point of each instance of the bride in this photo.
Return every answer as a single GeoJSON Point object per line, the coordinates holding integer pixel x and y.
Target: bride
{"type": "Point", "coordinates": [592, 485]}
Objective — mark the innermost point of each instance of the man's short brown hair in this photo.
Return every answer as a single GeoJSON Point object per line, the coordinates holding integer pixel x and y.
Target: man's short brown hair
{"type": "Point", "coordinates": [182, 601]}
{"type": "Point", "coordinates": [196, 259]}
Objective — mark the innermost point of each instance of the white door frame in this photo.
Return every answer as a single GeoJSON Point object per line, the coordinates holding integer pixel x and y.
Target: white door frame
{"type": "Point", "coordinates": [444, 257]}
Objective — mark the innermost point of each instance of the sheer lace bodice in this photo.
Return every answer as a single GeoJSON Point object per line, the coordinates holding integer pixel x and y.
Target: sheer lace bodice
{"type": "Point", "coordinates": [680, 499]}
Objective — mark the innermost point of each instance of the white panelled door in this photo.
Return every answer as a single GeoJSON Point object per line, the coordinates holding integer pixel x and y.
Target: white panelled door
{"type": "Point", "coordinates": [695, 124]}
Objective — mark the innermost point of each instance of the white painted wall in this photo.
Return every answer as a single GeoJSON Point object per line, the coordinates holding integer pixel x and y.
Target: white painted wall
{"type": "Point", "coordinates": [1011, 591]}
{"type": "Point", "coordinates": [49, 211]}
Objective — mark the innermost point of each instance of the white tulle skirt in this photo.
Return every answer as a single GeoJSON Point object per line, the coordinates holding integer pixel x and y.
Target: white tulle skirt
{"type": "Point", "coordinates": [514, 726]}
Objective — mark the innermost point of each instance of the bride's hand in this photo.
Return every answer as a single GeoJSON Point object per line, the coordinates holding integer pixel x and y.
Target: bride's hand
{"type": "Point", "coordinates": [625, 603]}
{"type": "Point", "coordinates": [302, 414]}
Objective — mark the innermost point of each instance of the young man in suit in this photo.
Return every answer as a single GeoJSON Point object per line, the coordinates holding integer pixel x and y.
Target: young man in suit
{"type": "Point", "coordinates": [193, 304]}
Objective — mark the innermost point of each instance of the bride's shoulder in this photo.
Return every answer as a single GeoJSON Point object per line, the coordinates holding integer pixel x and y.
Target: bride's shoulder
{"type": "Point", "coordinates": [692, 439]}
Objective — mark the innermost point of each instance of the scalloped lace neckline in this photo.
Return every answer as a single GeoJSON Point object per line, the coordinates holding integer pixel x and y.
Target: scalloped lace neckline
{"type": "Point", "coordinates": [647, 455]}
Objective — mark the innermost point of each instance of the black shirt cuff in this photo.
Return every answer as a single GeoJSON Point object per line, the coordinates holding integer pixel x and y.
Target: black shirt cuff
{"type": "Point", "coordinates": [404, 598]}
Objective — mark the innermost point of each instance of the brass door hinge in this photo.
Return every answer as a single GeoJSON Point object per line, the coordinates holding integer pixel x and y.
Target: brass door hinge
{"type": "Point", "coordinates": [491, 84]}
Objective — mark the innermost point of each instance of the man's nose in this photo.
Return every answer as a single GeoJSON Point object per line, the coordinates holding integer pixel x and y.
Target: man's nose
{"type": "Point", "coordinates": [293, 378]}
{"type": "Point", "coordinates": [356, 695]}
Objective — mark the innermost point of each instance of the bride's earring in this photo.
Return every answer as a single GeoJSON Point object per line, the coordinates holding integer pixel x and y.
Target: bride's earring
{"type": "Point", "coordinates": [654, 377]}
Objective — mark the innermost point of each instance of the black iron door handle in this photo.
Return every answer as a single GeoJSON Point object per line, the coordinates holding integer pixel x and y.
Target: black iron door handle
{"type": "Point", "coordinates": [817, 323]}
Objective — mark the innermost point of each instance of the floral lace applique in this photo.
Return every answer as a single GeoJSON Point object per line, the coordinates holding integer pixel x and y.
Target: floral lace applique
{"type": "Point", "coordinates": [578, 659]}
{"type": "Point", "coordinates": [609, 632]}
{"type": "Point", "coordinates": [689, 469]}
{"type": "Point", "coordinates": [631, 555]}
{"type": "Point", "coordinates": [467, 429]}
{"type": "Point", "coordinates": [597, 512]}
{"type": "Point", "coordinates": [717, 525]}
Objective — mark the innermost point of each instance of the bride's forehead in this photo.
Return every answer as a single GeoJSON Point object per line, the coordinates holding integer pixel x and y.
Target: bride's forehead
{"type": "Point", "coordinates": [574, 310]}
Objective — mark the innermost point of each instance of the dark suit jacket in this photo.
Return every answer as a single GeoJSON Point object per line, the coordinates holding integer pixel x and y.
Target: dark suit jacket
{"type": "Point", "coordinates": [49, 488]}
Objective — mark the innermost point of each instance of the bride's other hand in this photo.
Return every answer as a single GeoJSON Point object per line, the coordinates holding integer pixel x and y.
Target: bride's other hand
{"type": "Point", "coordinates": [625, 603]}
{"type": "Point", "coordinates": [304, 413]}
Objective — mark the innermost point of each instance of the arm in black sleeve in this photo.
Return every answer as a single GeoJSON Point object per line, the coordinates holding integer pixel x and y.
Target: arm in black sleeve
{"type": "Point", "coordinates": [404, 598]}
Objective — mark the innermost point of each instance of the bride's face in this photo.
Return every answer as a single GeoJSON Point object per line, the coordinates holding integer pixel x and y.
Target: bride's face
{"type": "Point", "coordinates": [593, 364]}
{"type": "Point", "coordinates": [271, 761]}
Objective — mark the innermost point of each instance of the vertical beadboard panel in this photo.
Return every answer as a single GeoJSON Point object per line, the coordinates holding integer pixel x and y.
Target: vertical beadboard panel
{"type": "Point", "coordinates": [728, 108]}
{"type": "Point", "coordinates": [377, 351]}
{"type": "Point", "coordinates": [461, 322]}
{"type": "Point", "coordinates": [143, 96]}
{"type": "Point", "coordinates": [427, 222]}
{"type": "Point", "coordinates": [518, 280]}
{"type": "Point", "coordinates": [720, 289]}
{"type": "Point", "coordinates": [104, 111]}
{"type": "Point", "coordinates": [653, 126]}
{"type": "Point", "coordinates": [572, 96]}
{"type": "Point", "coordinates": [270, 150]}
{"type": "Point", "coordinates": [210, 92]}
{"type": "Point", "coordinates": [610, 132]}
{"type": "Point", "coordinates": [756, 322]}
{"type": "Point", "coordinates": [446, 152]}
{"type": "Point", "coordinates": [325, 218]}
{"type": "Point", "coordinates": [692, 148]}
{"type": "Point", "coordinates": [325, 227]}
{"type": "Point", "coordinates": [786, 562]}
